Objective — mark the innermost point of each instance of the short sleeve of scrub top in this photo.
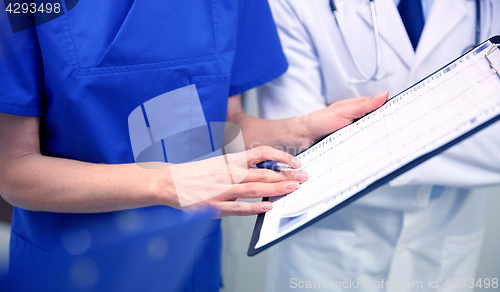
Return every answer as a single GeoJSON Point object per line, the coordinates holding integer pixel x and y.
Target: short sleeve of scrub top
{"type": "Point", "coordinates": [84, 72]}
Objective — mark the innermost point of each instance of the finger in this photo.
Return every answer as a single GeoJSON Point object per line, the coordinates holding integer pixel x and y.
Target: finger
{"type": "Point", "coordinates": [264, 153]}
{"type": "Point", "coordinates": [381, 97]}
{"type": "Point", "coordinates": [378, 101]}
{"type": "Point", "coordinates": [271, 176]}
{"type": "Point", "coordinates": [360, 106]}
{"type": "Point", "coordinates": [371, 104]}
{"type": "Point", "coordinates": [351, 100]}
{"type": "Point", "coordinates": [261, 190]}
{"type": "Point", "coordinates": [243, 208]}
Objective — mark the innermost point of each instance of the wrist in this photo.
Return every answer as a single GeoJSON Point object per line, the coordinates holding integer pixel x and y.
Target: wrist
{"type": "Point", "coordinates": [301, 132]}
{"type": "Point", "coordinates": [161, 190]}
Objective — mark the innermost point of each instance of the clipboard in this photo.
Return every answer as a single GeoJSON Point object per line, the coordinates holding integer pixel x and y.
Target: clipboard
{"type": "Point", "coordinates": [486, 57]}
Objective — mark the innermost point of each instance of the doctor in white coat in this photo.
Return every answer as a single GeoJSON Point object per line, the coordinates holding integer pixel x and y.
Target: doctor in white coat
{"type": "Point", "coordinates": [423, 229]}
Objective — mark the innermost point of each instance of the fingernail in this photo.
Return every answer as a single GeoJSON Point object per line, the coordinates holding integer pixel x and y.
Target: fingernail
{"type": "Point", "coordinates": [266, 206]}
{"type": "Point", "coordinates": [291, 185]}
{"type": "Point", "coordinates": [296, 163]}
{"type": "Point", "coordinates": [301, 176]}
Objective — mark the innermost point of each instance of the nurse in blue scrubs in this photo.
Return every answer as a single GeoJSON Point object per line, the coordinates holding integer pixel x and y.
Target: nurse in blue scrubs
{"type": "Point", "coordinates": [69, 85]}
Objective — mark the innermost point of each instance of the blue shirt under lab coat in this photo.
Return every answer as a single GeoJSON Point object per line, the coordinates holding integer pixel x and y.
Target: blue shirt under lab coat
{"type": "Point", "coordinates": [83, 73]}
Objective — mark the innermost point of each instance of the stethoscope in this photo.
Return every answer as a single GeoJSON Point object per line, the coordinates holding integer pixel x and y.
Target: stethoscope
{"type": "Point", "coordinates": [375, 76]}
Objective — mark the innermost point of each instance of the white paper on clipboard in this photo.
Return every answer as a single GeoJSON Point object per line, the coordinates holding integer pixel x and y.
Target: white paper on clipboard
{"type": "Point", "coordinates": [439, 109]}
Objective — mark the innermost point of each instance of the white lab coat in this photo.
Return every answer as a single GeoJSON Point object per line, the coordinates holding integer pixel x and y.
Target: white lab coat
{"type": "Point", "coordinates": [401, 232]}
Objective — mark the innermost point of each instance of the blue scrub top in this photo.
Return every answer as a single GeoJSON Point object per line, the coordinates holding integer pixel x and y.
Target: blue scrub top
{"type": "Point", "coordinates": [83, 73]}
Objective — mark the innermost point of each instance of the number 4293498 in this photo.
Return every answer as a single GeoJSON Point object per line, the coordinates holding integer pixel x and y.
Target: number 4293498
{"type": "Point", "coordinates": [32, 8]}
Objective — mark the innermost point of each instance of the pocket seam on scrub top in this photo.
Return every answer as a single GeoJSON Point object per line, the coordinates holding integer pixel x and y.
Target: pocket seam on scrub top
{"type": "Point", "coordinates": [153, 65]}
{"type": "Point", "coordinates": [144, 67]}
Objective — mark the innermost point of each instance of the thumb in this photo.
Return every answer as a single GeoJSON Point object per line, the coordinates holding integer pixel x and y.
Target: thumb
{"type": "Point", "coordinates": [364, 105]}
{"type": "Point", "coordinates": [379, 100]}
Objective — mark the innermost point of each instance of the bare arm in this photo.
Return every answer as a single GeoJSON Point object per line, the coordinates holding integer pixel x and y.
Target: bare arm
{"type": "Point", "coordinates": [273, 133]}
{"type": "Point", "coordinates": [40, 183]}
{"type": "Point", "coordinates": [35, 182]}
{"type": "Point", "coordinates": [295, 134]}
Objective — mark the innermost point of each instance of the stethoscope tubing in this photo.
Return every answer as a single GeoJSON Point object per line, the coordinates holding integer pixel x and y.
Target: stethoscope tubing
{"type": "Point", "coordinates": [366, 78]}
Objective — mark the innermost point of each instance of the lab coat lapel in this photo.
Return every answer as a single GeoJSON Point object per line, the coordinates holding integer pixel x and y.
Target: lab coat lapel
{"type": "Point", "coordinates": [445, 16]}
{"type": "Point", "coordinates": [391, 28]}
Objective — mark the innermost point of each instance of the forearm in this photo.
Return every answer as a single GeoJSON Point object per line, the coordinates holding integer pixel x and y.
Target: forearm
{"type": "Point", "coordinates": [41, 183]}
{"type": "Point", "coordinates": [285, 134]}
{"type": "Point", "coordinates": [289, 135]}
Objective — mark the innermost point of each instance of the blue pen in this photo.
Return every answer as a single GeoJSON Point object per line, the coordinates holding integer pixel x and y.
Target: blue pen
{"type": "Point", "coordinates": [273, 165]}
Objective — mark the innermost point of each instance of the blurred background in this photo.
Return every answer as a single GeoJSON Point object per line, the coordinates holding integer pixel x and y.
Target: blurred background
{"type": "Point", "coordinates": [5, 215]}
{"type": "Point", "coordinates": [248, 274]}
